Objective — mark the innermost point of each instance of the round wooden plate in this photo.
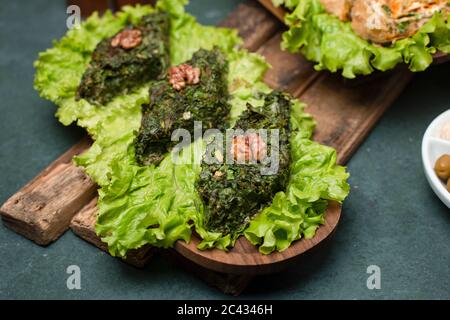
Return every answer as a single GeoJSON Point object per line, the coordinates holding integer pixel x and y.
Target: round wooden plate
{"type": "Point", "coordinates": [245, 258]}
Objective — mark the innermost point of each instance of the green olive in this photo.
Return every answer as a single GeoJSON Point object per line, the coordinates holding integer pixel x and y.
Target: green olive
{"type": "Point", "coordinates": [442, 167]}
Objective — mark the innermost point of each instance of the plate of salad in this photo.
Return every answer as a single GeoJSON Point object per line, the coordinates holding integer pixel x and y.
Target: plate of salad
{"type": "Point", "coordinates": [191, 150]}
{"type": "Point", "coordinates": [359, 37]}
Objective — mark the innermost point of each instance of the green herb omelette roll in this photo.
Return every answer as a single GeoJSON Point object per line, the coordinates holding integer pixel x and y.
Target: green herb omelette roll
{"type": "Point", "coordinates": [233, 191]}
{"type": "Point", "coordinates": [132, 57]}
{"type": "Point", "coordinates": [193, 91]}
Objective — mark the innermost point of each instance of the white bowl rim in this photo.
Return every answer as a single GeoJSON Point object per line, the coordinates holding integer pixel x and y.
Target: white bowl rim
{"type": "Point", "coordinates": [434, 181]}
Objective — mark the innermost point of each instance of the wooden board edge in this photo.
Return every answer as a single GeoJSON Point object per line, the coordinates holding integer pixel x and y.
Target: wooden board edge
{"type": "Point", "coordinates": [278, 12]}
{"type": "Point", "coordinates": [263, 22]}
{"type": "Point", "coordinates": [216, 260]}
{"type": "Point", "coordinates": [41, 224]}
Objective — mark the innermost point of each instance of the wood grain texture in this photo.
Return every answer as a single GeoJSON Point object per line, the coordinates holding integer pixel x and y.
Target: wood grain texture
{"type": "Point", "coordinates": [278, 12]}
{"type": "Point", "coordinates": [83, 225]}
{"type": "Point", "coordinates": [254, 24]}
{"type": "Point", "coordinates": [41, 211]}
{"type": "Point", "coordinates": [346, 113]}
{"type": "Point", "coordinates": [289, 72]}
{"type": "Point", "coordinates": [89, 6]}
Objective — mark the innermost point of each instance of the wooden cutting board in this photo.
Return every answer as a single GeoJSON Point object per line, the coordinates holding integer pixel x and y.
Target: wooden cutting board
{"type": "Point", "coordinates": [346, 111]}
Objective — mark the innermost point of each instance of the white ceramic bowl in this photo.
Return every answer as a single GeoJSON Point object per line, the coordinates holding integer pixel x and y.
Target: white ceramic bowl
{"type": "Point", "coordinates": [432, 148]}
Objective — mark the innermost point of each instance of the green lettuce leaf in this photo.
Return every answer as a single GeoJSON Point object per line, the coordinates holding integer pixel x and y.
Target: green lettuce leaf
{"type": "Point", "coordinates": [160, 205]}
{"type": "Point", "coordinates": [59, 69]}
{"type": "Point", "coordinates": [333, 45]}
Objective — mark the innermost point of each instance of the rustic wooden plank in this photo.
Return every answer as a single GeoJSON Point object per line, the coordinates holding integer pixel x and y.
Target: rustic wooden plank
{"type": "Point", "coordinates": [345, 113]}
{"type": "Point", "coordinates": [289, 72]}
{"type": "Point", "coordinates": [83, 225]}
{"type": "Point", "coordinates": [254, 24]}
{"type": "Point", "coordinates": [41, 211]}
{"type": "Point", "coordinates": [245, 259]}
{"type": "Point", "coordinates": [278, 12]}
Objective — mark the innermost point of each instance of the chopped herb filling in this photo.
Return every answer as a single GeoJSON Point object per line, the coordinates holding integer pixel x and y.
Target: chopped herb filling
{"type": "Point", "coordinates": [234, 192]}
{"type": "Point", "coordinates": [177, 107]}
{"type": "Point", "coordinates": [132, 57]}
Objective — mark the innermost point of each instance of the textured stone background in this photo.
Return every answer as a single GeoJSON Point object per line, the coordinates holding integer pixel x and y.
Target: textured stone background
{"type": "Point", "coordinates": [392, 219]}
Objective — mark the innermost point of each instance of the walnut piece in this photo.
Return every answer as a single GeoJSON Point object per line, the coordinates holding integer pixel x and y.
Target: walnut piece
{"type": "Point", "coordinates": [182, 75]}
{"type": "Point", "coordinates": [249, 146]}
{"type": "Point", "coordinates": [127, 39]}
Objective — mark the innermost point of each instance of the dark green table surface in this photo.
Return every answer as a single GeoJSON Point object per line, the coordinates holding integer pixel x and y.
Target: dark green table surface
{"type": "Point", "coordinates": [391, 219]}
